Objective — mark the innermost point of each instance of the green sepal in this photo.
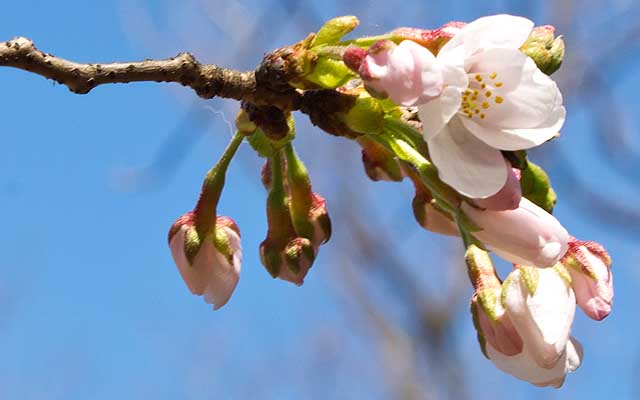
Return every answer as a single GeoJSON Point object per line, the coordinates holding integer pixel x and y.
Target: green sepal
{"type": "Point", "coordinates": [546, 50]}
{"type": "Point", "coordinates": [530, 276]}
{"type": "Point", "coordinates": [271, 259]}
{"type": "Point", "coordinates": [536, 187]}
{"type": "Point", "coordinates": [192, 244]}
{"type": "Point", "coordinates": [329, 73]}
{"type": "Point", "coordinates": [476, 322]}
{"type": "Point", "coordinates": [563, 273]}
{"type": "Point", "coordinates": [221, 242]}
{"type": "Point", "coordinates": [334, 30]}
{"type": "Point", "coordinates": [296, 252]}
{"type": "Point", "coordinates": [488, 301]}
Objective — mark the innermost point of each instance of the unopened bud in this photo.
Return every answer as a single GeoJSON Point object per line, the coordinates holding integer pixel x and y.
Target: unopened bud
{"type": "Point", "coordinates": [379, 163]}
{"type": "Point", "coordinates": [544, 48]}
{"type": "Point", "coordinates": [395, 71]}
{"type": "Point", "coordinates": [209, 265]}
{"type": "Point", "coordinates": [589, 265]}
{"type": "Point", "coordinates": [334, 29]}
{"type": "Point", "coordinates": [319, 218]}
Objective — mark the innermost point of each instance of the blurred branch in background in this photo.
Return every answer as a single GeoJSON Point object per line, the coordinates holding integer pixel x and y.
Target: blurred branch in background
{"type": "Point", "coordinates": [411, 326]}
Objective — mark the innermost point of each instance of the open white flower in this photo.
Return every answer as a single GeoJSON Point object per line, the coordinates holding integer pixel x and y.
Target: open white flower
{"type": "Point", "coordinates": [493, 98]}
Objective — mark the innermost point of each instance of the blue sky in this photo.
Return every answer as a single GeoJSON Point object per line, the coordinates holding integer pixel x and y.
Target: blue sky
{"type": "Point", "coordinates": [91, 305]}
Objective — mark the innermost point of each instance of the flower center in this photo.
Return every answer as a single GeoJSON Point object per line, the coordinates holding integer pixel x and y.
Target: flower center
{"type": "Point", "coordinates": [481, 94]}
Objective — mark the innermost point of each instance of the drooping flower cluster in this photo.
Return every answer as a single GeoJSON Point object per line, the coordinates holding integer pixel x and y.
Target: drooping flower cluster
{"type": "Point", "coordinates": [481, 98]}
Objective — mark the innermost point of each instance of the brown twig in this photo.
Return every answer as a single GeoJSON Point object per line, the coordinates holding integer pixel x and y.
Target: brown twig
{"type": "Point", "coordinates": [207, 80]}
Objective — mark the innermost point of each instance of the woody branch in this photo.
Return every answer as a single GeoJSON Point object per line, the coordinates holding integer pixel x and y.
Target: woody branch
{"type": "Point", "coordinates": [206, 80]}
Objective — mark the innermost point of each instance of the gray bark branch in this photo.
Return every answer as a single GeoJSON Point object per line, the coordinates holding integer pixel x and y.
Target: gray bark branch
{"type": "Point", "coordinates": [206, 80]}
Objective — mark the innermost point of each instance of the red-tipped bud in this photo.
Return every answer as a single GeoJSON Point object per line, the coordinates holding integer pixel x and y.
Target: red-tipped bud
{"type": "Point", "coordinates": [589, 265]}
{"type": "Point", "coordinates": [319, 218]}
{"type": "Point", "coordinates": [397, 72]}
{"type": "Point", "coordinates": [353, 57]}
{"type": "Point", "coordinates": [210, 265]}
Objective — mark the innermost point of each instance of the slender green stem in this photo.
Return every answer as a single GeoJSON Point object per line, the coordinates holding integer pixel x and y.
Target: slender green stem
{"type": "Point", "coordinates": [445, 195]}
{"type": "Point", "coordinates": [205, 209]}
{"type": "Point", "coordinates": [301, 194]}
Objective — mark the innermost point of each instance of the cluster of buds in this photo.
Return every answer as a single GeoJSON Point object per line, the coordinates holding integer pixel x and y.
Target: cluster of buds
{"type": "Point", "coordinates": [298, 220]}
{"type": "Point", "coordinates": [483, 95]}
{"type": "Point", "coordinates": [524, 324]}
{"type": "Point", "coordinates": [206, 247]}
{"type": "Point", "coordinates": [453, 109]}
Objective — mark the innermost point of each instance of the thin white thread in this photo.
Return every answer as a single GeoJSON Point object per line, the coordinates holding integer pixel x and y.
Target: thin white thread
{"type": "Point", "coordinates": [223, 116]}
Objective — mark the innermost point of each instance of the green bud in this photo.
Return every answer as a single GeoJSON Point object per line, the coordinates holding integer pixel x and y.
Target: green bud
{"type": "Point", "coordinates": [536, 187]}
{"type": "Point", "coordinates": [329, 73]}
{"type": "Point", "coordinates": [545, 49]}
{"type": "Point", "coordinates": [334, 29]}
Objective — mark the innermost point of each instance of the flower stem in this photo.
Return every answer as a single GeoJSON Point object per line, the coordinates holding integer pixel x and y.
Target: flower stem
{"type": "Point", "coordinates": [300, 190]}
{"type": "Point", "coordinates": [445, 195]}
{"type": "Point", "coordinates": [369, 40]}
{"type": "Point", "coordinates": [205, 209]}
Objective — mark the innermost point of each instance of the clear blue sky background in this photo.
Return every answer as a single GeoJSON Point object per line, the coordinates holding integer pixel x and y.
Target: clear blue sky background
{"type": "Point", "coordinates": [91, 306]}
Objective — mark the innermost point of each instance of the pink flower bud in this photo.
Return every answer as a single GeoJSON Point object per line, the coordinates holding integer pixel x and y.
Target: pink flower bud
{"type": "Point", "coordinates": [590, 268]}
{"type": "Point", "coordinates": [406, 73]}
{"type": "Point", "coordinates": [508, 198]}
{"type": "Point", "coordinates": [291, 263]}
{"type": "Point", "coordinates": [527, 235]}
{"type": "Point", "coordinates": [353, 57]}
{"type": "Point", "coordinates": [541, 305]}
{"type": "Point", "coordinates": [209, 266]}
{"type": "Point", "coordinates": [319, 218]}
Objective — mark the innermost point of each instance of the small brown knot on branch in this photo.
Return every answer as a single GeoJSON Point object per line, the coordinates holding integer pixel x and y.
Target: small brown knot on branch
{"type": "Point", "coordinates": [326, 109]}
{"type": "Point", "coordinates": [271, 120]}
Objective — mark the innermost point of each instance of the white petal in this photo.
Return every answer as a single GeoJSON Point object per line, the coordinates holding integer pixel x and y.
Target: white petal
{"type": "Point", "coordinates": [522, 366]}
{"type": "Point", "coordinates": [543, 319]}
{"type": "Point", "coordinates": [575, 353]}
{"type": "Point", "coordinates": [437, 113]}
{"type": "Point", "coordinates": [503, 31]}
{"type": "Point", "coordinates": [223, 276]}
{"type": "Point", "coordinates": [195, 278]}
{"type": "Point", "coordinates": [552, 308]}
{"type": "Point", "coordinates": [531, 112]}
{"type": "Point", "coordinates": [465, 163]}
